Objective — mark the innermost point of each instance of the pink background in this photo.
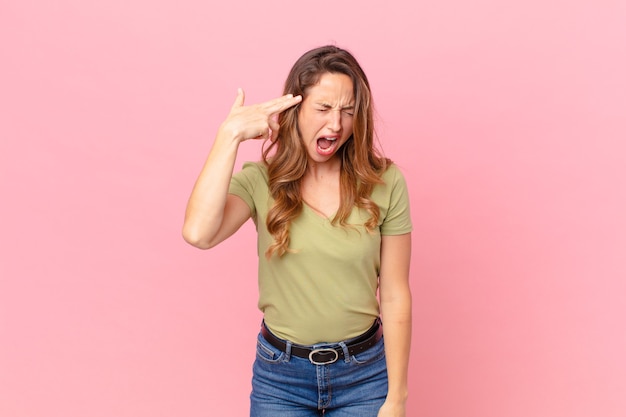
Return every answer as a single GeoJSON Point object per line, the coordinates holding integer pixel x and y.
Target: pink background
{"type": "Point", "coordinates": [508, 119]}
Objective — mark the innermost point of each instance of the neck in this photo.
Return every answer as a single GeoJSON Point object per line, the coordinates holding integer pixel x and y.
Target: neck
{"type": "Point", "coordinates": [317, 170]}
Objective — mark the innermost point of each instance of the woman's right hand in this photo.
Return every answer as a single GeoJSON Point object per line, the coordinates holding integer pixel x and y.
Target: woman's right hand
{"type": "Point", "coordinates": [257, 121]}
{"type": "Point", "coordinates": [212, 215]}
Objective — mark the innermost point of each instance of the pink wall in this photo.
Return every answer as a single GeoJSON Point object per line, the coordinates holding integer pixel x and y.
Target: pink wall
{"type": "Point", "coordinates": [508, 120]}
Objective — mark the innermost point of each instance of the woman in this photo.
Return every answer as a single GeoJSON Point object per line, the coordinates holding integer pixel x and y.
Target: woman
{"type": "Point", "coordinates": [334, 225]}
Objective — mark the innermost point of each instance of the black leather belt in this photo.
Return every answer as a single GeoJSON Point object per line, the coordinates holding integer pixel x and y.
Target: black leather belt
{"type": "Point", "coordinates": [328, 355]}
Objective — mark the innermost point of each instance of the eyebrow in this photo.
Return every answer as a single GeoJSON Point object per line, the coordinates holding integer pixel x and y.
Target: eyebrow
{"type": "Point", "coordinates": [328, 106]}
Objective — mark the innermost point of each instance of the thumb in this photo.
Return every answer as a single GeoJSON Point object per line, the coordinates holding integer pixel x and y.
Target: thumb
{"type": "Point", "coordinates": [239, 100]}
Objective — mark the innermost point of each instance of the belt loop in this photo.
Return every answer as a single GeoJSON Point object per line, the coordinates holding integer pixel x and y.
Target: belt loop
{"type": "Point", "coordinates": [288, 351]}
{"type": "Point", "coordinates": [346, 353]}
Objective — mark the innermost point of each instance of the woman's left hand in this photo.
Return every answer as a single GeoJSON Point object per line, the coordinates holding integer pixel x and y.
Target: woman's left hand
{"type": "Point", "coordinates": [392, 410]}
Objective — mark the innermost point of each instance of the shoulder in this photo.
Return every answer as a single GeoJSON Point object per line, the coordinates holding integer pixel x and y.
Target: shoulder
{"type": "Point", "coordinates": [393, 191]}
{"type": "Point", "coordinates": [392, 177]}
{"type": "Point", "coordinates": [393, 185]}
{"type": "Point", "coordinates": [259, 167]}
{"type": "Point", "coordinates": [250, 184]}
{"type": "Point", "coordinates": [392, 173]}
{"type": "Point", "coordinates": [253, 171]}
{"type": "Point", "coordinates": [251, 179]}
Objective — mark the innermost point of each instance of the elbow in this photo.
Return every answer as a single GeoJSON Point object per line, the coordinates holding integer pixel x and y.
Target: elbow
{"type": "Point", "coordinates": [195, 239]}
{"type": "Point", "coordinates": [197, 243]}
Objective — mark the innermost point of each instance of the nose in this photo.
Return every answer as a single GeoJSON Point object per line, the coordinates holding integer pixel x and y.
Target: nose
{"type": "Point", "coordinates": [335, 120]}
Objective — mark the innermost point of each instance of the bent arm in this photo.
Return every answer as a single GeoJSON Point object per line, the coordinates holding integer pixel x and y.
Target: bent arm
{"type": "Point", "coordinates": [395, 303]}
{"type": "Point", "coordinates": [212, 214]}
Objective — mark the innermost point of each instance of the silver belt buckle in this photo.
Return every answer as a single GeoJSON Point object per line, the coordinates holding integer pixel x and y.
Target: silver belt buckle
{"type": "Point", "coordinates": [323, 351]}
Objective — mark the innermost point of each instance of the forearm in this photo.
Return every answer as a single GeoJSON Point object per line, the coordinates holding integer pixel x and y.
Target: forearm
{"type": "Point", "coordinates": [397, 332]}
{"type": "Point", "coordinates": [211, 216]}
{"type": "Point", "coordinates": [205, 208]}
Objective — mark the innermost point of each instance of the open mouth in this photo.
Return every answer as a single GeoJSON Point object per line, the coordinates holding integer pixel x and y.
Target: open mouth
{"type": "Point", "coordinates": [326, 145]}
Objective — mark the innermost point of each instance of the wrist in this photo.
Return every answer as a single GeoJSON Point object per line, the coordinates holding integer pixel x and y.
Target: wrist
{"type": "Point", "coordinates": [228, 136]}
{"type": "Point", "coordinates": [397, 396]}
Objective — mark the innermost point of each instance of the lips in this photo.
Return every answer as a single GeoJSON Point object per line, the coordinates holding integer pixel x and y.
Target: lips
{"type": "Point", "coordinates": [325, 142]}
{"type": "Point", "coordinates": [326, 145]}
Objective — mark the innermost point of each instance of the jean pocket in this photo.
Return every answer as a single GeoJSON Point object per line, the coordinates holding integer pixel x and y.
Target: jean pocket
{"type": "Point", "coordinates": [268, 353]}
{"type": "Point", "coordinates": [373, 354]}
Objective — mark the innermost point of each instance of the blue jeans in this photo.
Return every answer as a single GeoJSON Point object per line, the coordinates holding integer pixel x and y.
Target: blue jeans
{"type": "Point", "coordinates": [289, 386]}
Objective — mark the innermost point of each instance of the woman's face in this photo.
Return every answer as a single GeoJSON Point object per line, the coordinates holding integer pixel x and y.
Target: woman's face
{"type": "Point", "coordinates": [325, 116]}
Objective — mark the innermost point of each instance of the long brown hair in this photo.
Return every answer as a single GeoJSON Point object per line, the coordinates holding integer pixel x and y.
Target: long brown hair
{"type": "Point", "coordinates": [361, 163]}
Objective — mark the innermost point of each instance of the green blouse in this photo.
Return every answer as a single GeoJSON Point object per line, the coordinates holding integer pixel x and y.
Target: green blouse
{"type": "Point", "coordinates": [326, 290]}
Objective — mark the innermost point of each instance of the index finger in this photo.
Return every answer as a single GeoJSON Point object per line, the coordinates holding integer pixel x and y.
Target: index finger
{"type": "Point", "coordinates": [281, 104]}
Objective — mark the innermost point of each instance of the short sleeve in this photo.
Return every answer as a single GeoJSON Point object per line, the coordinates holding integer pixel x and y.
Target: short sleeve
{"type": "Point", "coordinates": [396, 210]}
{"type": "Point", "coordinates": [244, 184]}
